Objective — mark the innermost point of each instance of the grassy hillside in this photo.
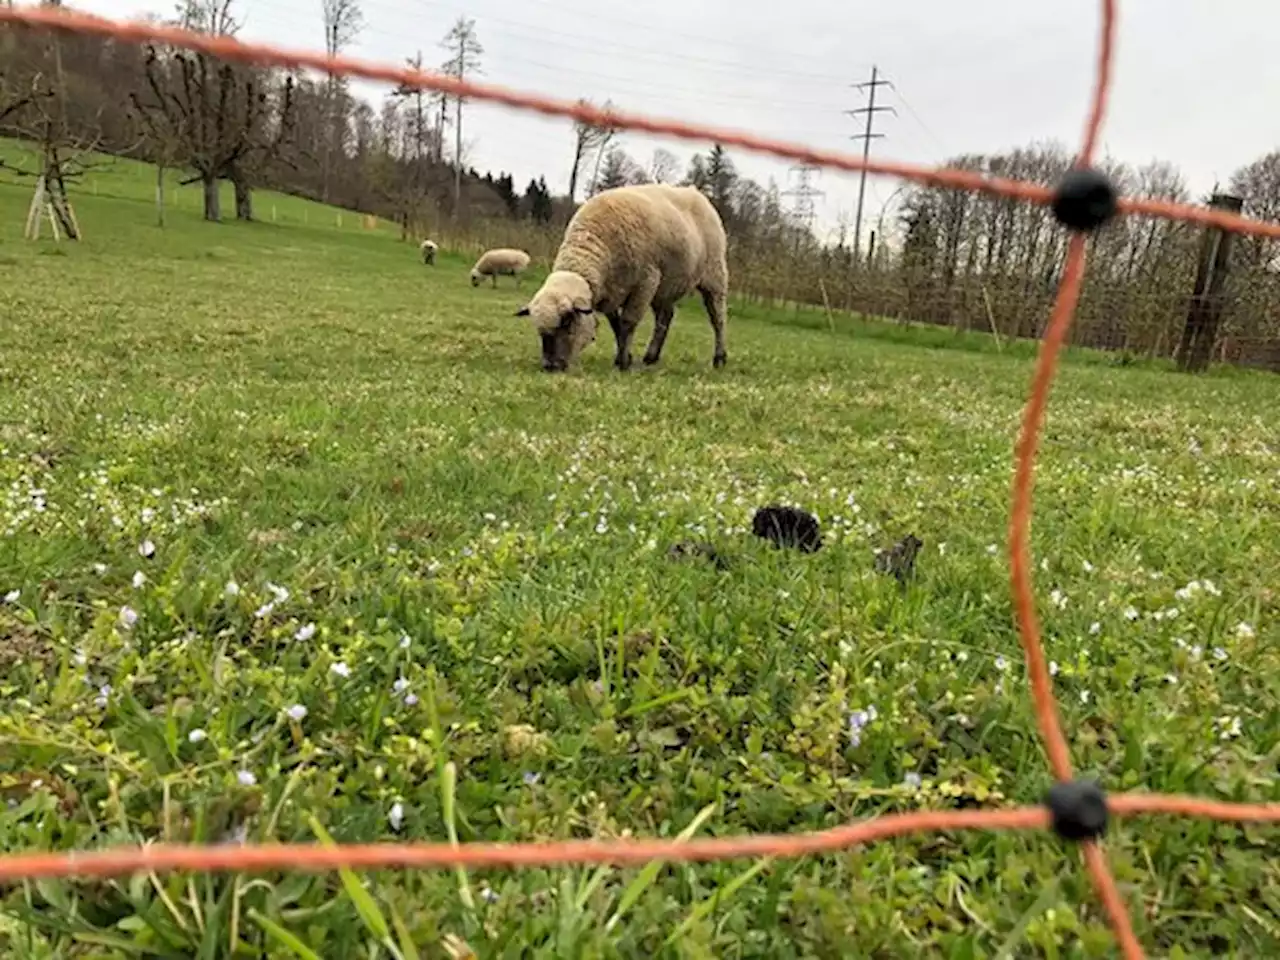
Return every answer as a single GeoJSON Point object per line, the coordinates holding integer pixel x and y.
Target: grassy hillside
{"type": "Point", "coordinates": [290, 520]}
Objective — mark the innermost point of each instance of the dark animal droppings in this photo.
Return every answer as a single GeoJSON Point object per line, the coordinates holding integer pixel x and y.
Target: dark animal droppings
{"type": "Point", "coordinates": [788, 527]}
{"type": "Point", "coordinates": [901, 559]}
{"type": "Point", "coordinates": [687, 549]}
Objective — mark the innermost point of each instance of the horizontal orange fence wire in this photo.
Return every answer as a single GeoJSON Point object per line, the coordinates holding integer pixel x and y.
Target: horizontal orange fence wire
{"type": "Point", "coordinates": [622, 852]}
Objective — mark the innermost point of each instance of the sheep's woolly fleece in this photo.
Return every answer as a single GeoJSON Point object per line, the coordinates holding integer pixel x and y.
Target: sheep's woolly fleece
{"type": "Point", "coordinates": [501, 262]}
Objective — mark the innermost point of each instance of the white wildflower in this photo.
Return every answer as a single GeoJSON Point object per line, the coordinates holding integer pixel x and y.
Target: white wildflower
{"type": "Point", "coordinates": [340, 669]}
{"type": "Point", "coordinates": [128, 617]}
{"type": "Point", "coordinates": [12, 596]}
{"type": "Point", "coordinates": [1245, 631]}
{"type": "Point", "coordinates": [147, 549]}
{"type": "Point", "coordinates": [232, 589]}
{"type": "Point", "coordinates": [297, 712]}
{"type": "Point", "coordinates": [196, 736]}
{"type": "Point", "coordinates": [395, 816]}
{"type": "Point", "coordinates": [246, 778]}
{"type": "Point", "coordinates": [306, 632]}
{"type": "Point", "coordinates": [139, 578]}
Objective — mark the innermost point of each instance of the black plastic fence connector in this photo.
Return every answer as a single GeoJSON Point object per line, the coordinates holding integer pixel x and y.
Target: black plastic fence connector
{"type": "Point", "coordinates": [1085, 200]}
{"type": "Point", "coordinates": [1079, 809]}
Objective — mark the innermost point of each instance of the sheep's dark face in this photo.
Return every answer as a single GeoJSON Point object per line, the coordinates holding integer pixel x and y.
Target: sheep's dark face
{"type": "Point", "coordinates": [475, 279]}
{"type": "Point", "coordinates": [562, 345]}
{"type": "Point", "coordinates": [562, 316]}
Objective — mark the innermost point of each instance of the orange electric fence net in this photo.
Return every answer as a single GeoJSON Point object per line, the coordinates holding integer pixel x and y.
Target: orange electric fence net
{"type": "Point", "coordinates": [1077, 811]}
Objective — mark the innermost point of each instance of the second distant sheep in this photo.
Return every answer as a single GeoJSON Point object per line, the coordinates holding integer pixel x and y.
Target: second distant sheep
{"type": "Point", "coordinates": [429, 249]}
{"type": "Point", "coordinates": [501, 262]}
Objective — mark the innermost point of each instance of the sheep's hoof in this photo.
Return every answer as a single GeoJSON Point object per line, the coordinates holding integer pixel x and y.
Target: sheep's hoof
{"type": "Point", "coordinates": [719, 361]}
{"type": "Point", "coordinates": [650, 360]}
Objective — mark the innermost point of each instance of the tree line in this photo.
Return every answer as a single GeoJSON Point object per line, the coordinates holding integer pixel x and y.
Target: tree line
{"type": "Point", "coordinates": [967, 261]}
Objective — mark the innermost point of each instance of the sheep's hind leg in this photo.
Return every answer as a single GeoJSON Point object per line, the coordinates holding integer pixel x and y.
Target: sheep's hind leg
{"type": "Point", "coordinates": [662, 317]}
{"type": "Point", "coordinates": [716, 313]}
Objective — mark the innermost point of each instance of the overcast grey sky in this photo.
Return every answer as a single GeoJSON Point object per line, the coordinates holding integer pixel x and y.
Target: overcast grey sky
{"type": "Point", "coordinates": [1197, 82]}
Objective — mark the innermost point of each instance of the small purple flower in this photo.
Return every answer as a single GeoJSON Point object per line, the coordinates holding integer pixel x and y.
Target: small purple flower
{"type": "Point", "coordinates": [297, 713]}
{"type": "Point", "coordinates": [246, 778]}
{"type": "Point", "coordinates": [857, 720]}
{"type": "Point", "coordinates": [531, 779]}
{"type": "Point", "coordinates": [411, 700]}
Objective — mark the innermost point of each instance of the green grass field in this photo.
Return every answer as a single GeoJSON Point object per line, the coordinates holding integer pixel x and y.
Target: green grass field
{"type": "Point", "coordinates": [289, 521]}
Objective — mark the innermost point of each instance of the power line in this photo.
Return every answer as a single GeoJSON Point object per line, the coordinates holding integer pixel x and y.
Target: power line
{"type": "Point", "coordinates": [866, 137]}
{"type": "Point", "coordinates": [804, 193]}
{"type": "Point", "coordinates": [587, 42]}
{"type": "Point", "coordinates": [611, 83]}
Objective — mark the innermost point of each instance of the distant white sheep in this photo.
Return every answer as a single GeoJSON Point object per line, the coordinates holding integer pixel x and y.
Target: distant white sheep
{"type": "Point", "coordinates": [501, 262]}
{"type": "Point", "coordinates": [625, 250]}
{"type": "Point", "coordinates": [429, 249]}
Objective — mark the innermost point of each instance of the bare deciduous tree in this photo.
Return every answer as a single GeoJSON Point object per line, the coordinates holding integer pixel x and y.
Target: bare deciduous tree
{"type": "Point", "coordinates": [663, 167]}
{"type": "Point", "coordinates": [587, 140]}
{"type": "Point", "coordinates": [343, 21]}
{"type": "Point", "coordinates": [464, 45]}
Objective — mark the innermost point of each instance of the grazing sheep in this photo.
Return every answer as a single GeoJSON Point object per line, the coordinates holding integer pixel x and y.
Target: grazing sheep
{"type": "Point", "coordinates": [495, 263]}
{"type": "Point", "coordinates": [429, 249]}
{"type": "Point", "coordinates": [626, 250]}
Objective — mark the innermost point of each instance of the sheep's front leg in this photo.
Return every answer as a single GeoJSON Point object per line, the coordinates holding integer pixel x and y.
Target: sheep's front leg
{"type": "Point", "coordinates": [662, 317]}
{"type": "Point", "coordinates": [631, 314]}
{"type": "Point", "coordinates": [622, 337]}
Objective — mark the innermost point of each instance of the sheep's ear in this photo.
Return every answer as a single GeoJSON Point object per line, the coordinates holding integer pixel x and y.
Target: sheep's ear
{"type": "Point", "coordinates": [523, 311]}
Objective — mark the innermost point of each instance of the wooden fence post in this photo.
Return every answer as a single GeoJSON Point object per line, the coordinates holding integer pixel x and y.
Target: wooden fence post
{"type": "Point", "coordinates": [1204, 315]}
